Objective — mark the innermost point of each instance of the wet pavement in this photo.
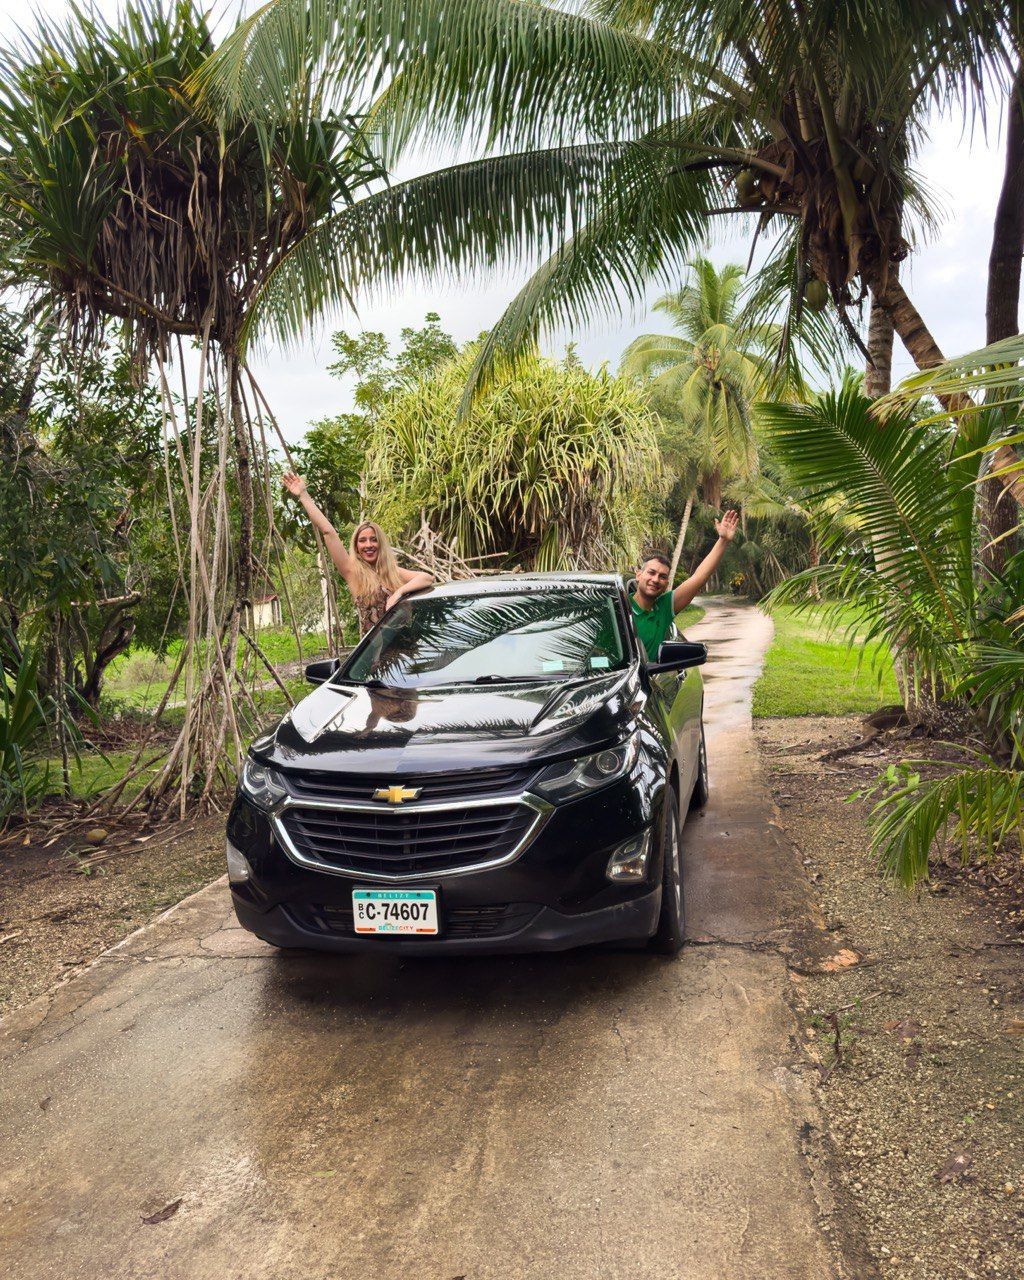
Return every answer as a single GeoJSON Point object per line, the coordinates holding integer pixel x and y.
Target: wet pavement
{"type": "Point", "coordinates": [587, 1116]}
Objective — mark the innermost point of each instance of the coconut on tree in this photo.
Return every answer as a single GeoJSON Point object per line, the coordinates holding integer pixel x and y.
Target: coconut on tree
{"type": "Point", "coordinates": [626, 132]}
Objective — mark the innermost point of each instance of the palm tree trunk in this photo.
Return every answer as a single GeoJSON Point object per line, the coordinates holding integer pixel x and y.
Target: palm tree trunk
{"type": "Point", "coordinates": [996, 516]}
{"type": "Point", "coordinates": [924, 351]}
{"type": "Point", "coordinates": [878, 382]}
{"type": "Point", "coordinates": [813, 560]}
{"type": "Point", "coordinates": [711, 488]}
{"type": "Point", "coordinates": [878, 371]}
{"type": "Point", "coordinates": [677, 553]}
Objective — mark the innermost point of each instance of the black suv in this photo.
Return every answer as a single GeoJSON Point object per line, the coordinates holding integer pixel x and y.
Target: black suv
{"type": "Point", "coordinates": [496, 767]}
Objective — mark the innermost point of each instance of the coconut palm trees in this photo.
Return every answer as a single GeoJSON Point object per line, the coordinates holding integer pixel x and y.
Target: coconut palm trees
{"type": "Point", "coordinates": [625, 132]}
{"type": "Point", "coordinates": [125, 201]}
{"type": "Point", "coordinates": [707, 375]}
{"type": "Point", "coordinates": [705, 378]}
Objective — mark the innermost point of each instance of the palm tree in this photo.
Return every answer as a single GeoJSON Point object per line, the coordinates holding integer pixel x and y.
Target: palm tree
{"type": "Point", "coordinates": [125, 201]}
{"type": "Point", "coordinates": [899, 543]}
{"type": "Point", "coordinates": [706, 379]}
{"type": "Point", "coordinates": [626, 132]}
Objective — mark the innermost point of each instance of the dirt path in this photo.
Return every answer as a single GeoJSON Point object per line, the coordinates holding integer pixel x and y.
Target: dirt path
{"type": "Point", "coordinates": [924, 1105]}
{"type": "Point", "coordinates": [590, 1116]}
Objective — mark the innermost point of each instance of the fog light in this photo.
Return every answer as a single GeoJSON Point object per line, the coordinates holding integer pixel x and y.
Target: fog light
{"type": "Point", "coordinates": [628, 863]}
{"type": "Point", "coordinates": [239, 870]}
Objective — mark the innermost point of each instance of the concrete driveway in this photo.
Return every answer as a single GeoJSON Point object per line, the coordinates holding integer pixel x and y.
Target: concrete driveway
{"type": "Point", "coordinates": [591, 1115]}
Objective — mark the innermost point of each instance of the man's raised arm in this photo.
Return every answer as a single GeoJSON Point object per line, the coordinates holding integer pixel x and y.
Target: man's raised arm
{"type": "Point", "coordinates": [685, 592]}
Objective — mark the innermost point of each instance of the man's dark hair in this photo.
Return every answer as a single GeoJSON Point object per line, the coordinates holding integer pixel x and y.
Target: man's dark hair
{"type": "Point", "coordinates": [656, 555]}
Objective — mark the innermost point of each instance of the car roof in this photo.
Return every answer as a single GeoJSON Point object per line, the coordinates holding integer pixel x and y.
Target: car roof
{"type": "Point", "coordinates": [520, 583]}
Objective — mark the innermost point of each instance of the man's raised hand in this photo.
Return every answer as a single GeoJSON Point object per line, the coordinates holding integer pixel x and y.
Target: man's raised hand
{"type": "Point", "coordinates": [727, 526]}
{"type": "Point", "coordinates": [293, 483]}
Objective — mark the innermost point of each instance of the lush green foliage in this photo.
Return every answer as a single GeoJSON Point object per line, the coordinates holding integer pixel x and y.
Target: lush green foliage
{"type": "Point", "coordinates": [332, 454]}
{"type": "Point", "coordinates": [903, 564]}
{"type": "Point", "coordinates": [625, 130]}
{"type": "Point", "coordinates": [86, 556]}
{"type": "Point", "coordinates": [909, 489]}
{"type": "Point", "coordinates": [22, 720]}
{"type": "Point", "coordinates": [702, 382]}
{"type": "Point", "coordinates": [555, 466]}
{"type": "Point", "coordinates": [977, 806]}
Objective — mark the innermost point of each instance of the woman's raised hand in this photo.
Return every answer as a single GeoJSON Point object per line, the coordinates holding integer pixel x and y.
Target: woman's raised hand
{"type": "Point", "coordinates": [293, 483]}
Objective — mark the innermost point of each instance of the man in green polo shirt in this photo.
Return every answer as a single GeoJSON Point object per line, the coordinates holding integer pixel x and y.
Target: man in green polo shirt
{"type": "Point", "coordinates": [655, 607]}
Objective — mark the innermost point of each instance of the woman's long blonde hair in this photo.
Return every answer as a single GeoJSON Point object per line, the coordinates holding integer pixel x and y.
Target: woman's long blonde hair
{"type": "Point", "coordinates": [367, 581]}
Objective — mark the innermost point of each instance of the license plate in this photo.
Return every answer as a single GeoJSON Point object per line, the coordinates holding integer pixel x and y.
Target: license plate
{"type": "Point", "coordinates": [394, 911]}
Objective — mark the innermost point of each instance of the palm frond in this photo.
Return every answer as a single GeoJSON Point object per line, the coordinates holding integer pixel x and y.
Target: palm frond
{"type": "Point", "coordinates": [979, 806]}
{"type": "Point", "coordinates": [895, 480]}
{"type": "Point", "coordinates": [996, 368]}
{"type": "Point", "coordinates": [528, 74]}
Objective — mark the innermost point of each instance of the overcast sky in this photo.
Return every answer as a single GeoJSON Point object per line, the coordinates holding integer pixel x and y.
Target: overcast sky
{"type": "Point", "coordinates": [946, 278]}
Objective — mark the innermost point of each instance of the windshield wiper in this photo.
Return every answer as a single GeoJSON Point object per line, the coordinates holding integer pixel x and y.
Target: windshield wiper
{"type": "Point", "coordinates": [496, 679]}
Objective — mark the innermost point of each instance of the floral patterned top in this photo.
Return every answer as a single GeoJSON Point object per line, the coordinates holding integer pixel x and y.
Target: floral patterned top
{"type": "Point", "coordinates": [372, 610]}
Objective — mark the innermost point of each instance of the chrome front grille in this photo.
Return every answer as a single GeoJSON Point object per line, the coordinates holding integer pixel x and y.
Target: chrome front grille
{"type": "Point", "coordinates": [357, 788]}
{"type": "Point", "coordinates": [412, 841]}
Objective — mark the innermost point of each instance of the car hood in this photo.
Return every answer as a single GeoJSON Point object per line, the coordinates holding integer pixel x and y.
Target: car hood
{"type": "Point", "coordinates": [350, 727]}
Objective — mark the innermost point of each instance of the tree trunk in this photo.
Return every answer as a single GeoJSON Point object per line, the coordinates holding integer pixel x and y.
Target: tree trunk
{"type": "Point", "coordinates": [925, 352]}
{"type": "Point", "coordinates": [878, 382]}
{"type": "Point", "coordinates": [711, 488]}
{"type": "Point", "coordinates": [997, 516]}
{"type": "Point", "coordinates": [878, 371]}
{"type": "Point", "coordinates": [681, 539]}
{"type": "Point", "coordinates": [113, 640]}
{"type": "Point", "coordinates": [243, 479]}
{"type": "Point", "coordinates": [813, 561]}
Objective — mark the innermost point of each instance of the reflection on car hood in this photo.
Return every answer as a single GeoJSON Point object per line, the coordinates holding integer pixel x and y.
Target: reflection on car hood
{"type": "Point", "coordinates": [352, 727]}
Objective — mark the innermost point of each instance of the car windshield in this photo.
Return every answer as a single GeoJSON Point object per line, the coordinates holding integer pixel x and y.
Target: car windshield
{"type": "Point", "coordinates": [501, 638]}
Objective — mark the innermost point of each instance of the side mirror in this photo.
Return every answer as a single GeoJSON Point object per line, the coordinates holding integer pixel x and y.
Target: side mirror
{"type": "Point", "coordinates": [679, 655]}
{"type": "Point", "coordinates": [321, 672]}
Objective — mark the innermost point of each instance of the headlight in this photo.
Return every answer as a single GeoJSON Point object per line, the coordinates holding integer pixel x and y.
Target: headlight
{"type": "Point", "coordinates": [570, 778]}
{"type": "Point", "coordinates": [262, 785]}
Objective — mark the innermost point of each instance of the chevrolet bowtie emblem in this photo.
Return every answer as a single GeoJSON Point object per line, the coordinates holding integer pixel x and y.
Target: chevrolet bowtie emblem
{"type": "Point", "coordinates": [396, 795]}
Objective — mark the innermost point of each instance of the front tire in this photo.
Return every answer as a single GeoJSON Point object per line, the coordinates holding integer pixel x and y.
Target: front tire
{"type": "Point", "coordinates": [668, 937]}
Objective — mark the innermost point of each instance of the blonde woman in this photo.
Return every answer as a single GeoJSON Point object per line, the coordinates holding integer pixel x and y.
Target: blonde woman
{"type": "Point", "coordinates": [371, 572]}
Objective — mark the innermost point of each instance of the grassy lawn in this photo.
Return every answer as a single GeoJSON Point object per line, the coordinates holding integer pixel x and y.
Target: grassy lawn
{"type": "Point", "coordinates": [689, 617]}
{"type": "Point", "coordinates": [139, 679]}
{"type": "Point", "coordinates": [92, 774]}
{"type": "Point", "coordinates": [812, 671]}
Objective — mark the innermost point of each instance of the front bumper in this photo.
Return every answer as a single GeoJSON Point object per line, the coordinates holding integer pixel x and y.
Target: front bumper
{"type": "Point", "coordinates": [554, 895]}
{"type": "Point", "coordinates": [536, 928]}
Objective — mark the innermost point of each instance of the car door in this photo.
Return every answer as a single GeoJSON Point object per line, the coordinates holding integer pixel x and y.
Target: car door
{"type": "Point", "coordinates": [682, 694]}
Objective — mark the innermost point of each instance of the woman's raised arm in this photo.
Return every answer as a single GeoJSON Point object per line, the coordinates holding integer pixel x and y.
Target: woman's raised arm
{"type": "Point", "coordinates": [296, 486]}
